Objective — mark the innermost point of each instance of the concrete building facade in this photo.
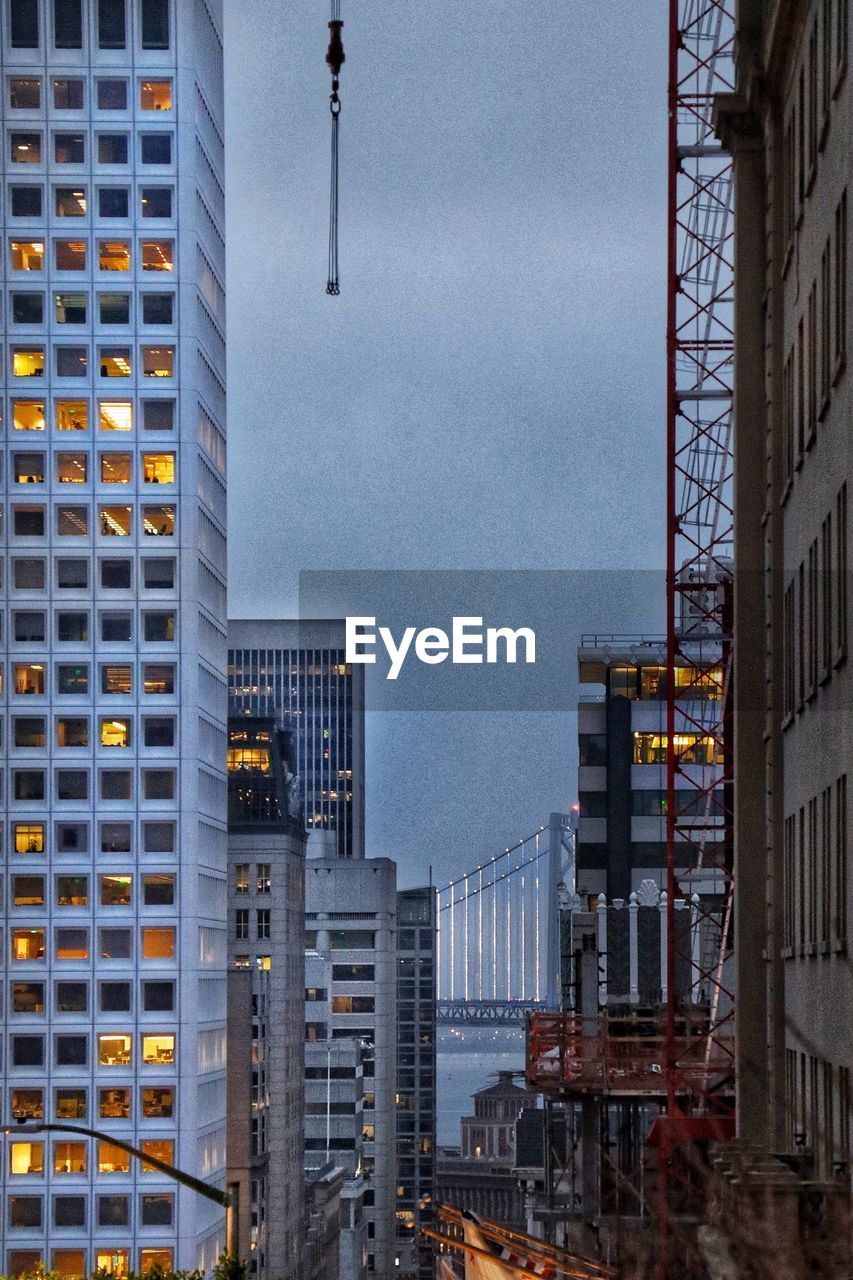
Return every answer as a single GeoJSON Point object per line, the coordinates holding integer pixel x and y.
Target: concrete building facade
{"type": "Point", "coordinates": [114, 647]}
{"type": "Point", "coordinates": [351, 918]}
{"type": "Point", "coordinates": [296, 672]}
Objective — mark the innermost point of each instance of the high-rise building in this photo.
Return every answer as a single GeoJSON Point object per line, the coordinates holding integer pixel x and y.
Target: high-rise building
{"type": "Point", "coordinates": [788, 127]}
{"type": "Point", "coordinates": [416, 1070]}
{"type": "Point", "coordinates": [115, 652]}
{"type": "Point", "coordinates": [296, 672]}
{"type": "Point", "coordinates": [621, 837]}
{"type": "Point", "coordinates": [266, 896]}
{"type": "Point", "coordinates": [350, 919]}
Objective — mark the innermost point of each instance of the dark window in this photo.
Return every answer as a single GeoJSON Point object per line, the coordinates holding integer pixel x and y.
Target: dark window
{"type": "Point", "coordinates": [72, 784]}
{"type": "Point", "coordinates": [114, 944]}
{"type": "Point", "coordinates": [115, 837]}
{"type": "Point", "coordinates": [72, 678]}
{"type": "Point", "coordinates": [115, 997]}
{"type": "Point", "coordinates": [156, 202]}
{"type": "Point", "coordinates": [26, 1211]}
{"type": "Point", "coordinates": [29, 469]}
{"type": "Point", "coordinates": [29, 731]}
{"type": "Point", "coordinates": [115, 627]}
{"type": "Point", "coordinates": [156, 308]}
{"type": "Point", "coordinates": [156, 148]}
{"type": "Point", "coordinates": [29, 522]}
{"type": "Point", "coordinates": [158, 837]}
{"type": "Point", "coordinates": [68, 24]}
{"type": "Point", "coordinates": [113, 1211]}
{"type": "Point", "coordinates": [26, 202]}
{"type": "Point", "coordinates": [159, 731]}
{"type": "Point", "coordinates": [116, 784]}
{"type": "Point", "coordinates": [112, 94]}
{"type": "Point", "coordinates": [113, 202]}
{"type": "Point", "coordinates": [68, 94]}
{"type": "Point", "coordinates": [158, 784]}
{"type": "Point", "coordinates": [70, 202]}
{"type": "Point", "coordinates": [157, 890]}
{"type": "Point", "coordinates": [72, 362]}
{"type": "Point", "coordinates": [27, 1051]}
{"type": "Point", "coordinates": [112, 32]}
{"type": "Point", "coordinates": [112, 148]}
{"type": "Point", "coordinates": [69, 148]}
{"type": "Point", "coordinates": [72, 837]}
{"type": "Point", "coordinates": [29, 627]}
{"type": "Point", "coordinates": [158, 997]}
{"type": "Point", "coordinates": [29, 575]}
{"type": "Point", "coordinates": [71, 1051]}
{"type": "Point", "coordinates": [24, 24]}
{"type": "Point", "coordinates": [25, 94]}
{"type": "Point", "coordinates": [159, 575]}
{"type": "Point", "coordinates": [155, 24]}
{"type": "Point", "coordinates": [29, 784]}
{"type": "Point", "coordinates": [72, 574]}
{"type": "Point", "coordinates": [27, 308]}
{"type": "Point", "coordinates": [159, 627]}
{"type": "Point", "coordinates": [72, 997]}
{"type": "Point", "coordinates": [69, 1211]}
{"type": "Point", "coordinates": [114, 308]}
{"type": "Point", "coordinates": [158, 415]}
{"type": "Point", "coordinates": [115, 574]}
{"type": "Point", "coordinates": [71, 308]}
{"type": "Point", "coordinates": [73, 626]}
{"type": "Point", "coordinates": [157, 1209]}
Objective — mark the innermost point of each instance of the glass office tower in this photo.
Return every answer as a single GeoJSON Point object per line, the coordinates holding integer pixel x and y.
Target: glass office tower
{"type": "Point", "coordinates": [115, 654]}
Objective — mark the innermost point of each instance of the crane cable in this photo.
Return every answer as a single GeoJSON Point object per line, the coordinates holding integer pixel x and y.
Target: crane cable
{"type": "Point", "coordinates": [335, 59]}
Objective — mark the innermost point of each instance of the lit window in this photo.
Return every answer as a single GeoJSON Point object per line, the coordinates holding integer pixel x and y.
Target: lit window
{"type": "Point", "coordinates": [158, 362]}
{"type": "Point", "coordinates": [115, 415]}
{"type": "Point", "coordinates": [25, 148]}
{"type": "Point", "coordinates": [27, 944]}
{"type": "Point", "coordinates": [116, 679]}
{"type": "Point", "coordinates": [158, 1103]}
{"type": "Point", "coordinates": [114, 362]}
{"type": "Point", "coordinates": [158, 521]}
{"type": "Point", "coordinates": [157, 255]}
{"type": "Point", "coordinates": [26, 1158]}
{"type": "Point", "coordinates": [116, 1262]}
{"type": "Point", "coordinates": [27, 1104]}
{"type": "Point", "coordinates": [158, 1050]}
{"type": "Point", "coordinates": [116, 890]}
{"type": "Point", "coordinates": [116, 521]}
{"type": "Point", "coordinates": [69, 1264]}
{"type": "Point", "coordinates": [114, 255]}
{"type": "Point", "coordinates": [155, 95]}
{"type": "Point", "coordinates": [70, 255]}
{"type": "Point", "coordinates": [72, 415]}
{"type": "Point", "coordinates": [115, 733]}
{"type": "Point", "coordinates": [72, 522]}
{"type": "Point", "coordinates": [71, 308]}
{"type": "Point", "coordinates": [111, 1159]}
{"type": "Point", "coordinates": [72, 891]}
{"type": "Point", "coordinates": [114, 1050]}
{"type": "Point", "coordinates": [71, 1104]}
{"type": "Point", "coordinates": [241, 877]}
{"type": "Point", "coordinates": [71, 468]}
{"type": "Point", "coordinates": [28, 255]}
{"type": "Point", "coordinates": [29, 678]}
{"type": "Point", "coordinates": [158, 678]}
{"type": "Point", "coordinates": [71, 202]}
{"type": "Point", "coordinates": [158, 468]}
{"type": "Point", "coordinates": [115, 468]}
{"type": "Point", "coordinates": [158, 943]}
{"type": "Point", "coordinates": [25, 94]}
{"type": "Point", "coordinates": [72, 678]}
{"type": "Point", "coordinates": [28, 415]}
{"type": "Point", "coordinates": [113, 1104]}
{"type": "Point", "coordinates": [29, 837]}
{"type": "Point", "coordinates": [69, 1157]}
{"type": "Point", "coordinates": [28, 362]}
{"type": "Point", "coordinates": [71, 944]}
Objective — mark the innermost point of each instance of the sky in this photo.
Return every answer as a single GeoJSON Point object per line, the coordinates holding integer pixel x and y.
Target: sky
{"type": "Point", "coordinates": [487, 393]}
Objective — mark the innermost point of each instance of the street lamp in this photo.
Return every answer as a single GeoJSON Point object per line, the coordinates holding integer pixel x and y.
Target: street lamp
{"type": "Point", "coordinates": [229, 1199]}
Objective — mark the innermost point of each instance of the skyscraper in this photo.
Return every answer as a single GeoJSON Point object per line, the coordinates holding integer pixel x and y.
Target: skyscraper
{"type": "Point", "coordinates": [296, 672]}
{"type": "Point", "coordinates": [115, 655]}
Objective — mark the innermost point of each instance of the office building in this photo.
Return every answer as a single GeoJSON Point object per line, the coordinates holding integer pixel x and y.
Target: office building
{"type": "Point", "coordinates": [266, 895]}
{"type": "Point", "coordinates": [416, 1068]}
{"type": "Point", "coordinates": [621, 836]}
{"type": "Point", "coordinates": [350, 919]}
{"type": "Point", "coordinates": [115, 655]}
{"type": "Point", "coordinates": [296, 672]}
{"type": "Point", "coordinates": [788, 127]}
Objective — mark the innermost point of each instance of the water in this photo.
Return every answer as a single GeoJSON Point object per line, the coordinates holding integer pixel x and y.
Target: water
{"type": "Point", "coordinates": [468, 1063]}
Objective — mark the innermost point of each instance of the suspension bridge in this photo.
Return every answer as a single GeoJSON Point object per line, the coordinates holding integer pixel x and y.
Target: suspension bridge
{"type": "Point", "coordinates": [498, 937]}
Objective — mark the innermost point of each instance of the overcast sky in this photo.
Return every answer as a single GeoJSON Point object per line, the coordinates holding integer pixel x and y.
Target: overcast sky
{"type": "Point", "coordinates": [488, 390]}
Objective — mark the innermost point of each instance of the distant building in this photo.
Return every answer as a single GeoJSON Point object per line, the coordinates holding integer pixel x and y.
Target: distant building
{"type": "Point", "coordinates": [266, 894]}
{"type": "Point", "coordinates": [416, 1047]}
{"type": "Point", "coordinates": [480, 1174]}
{"type": "Point", "coordinates": [350, 919]}
{"type": "Point", "coordinates": [323, 1221]}
{"type": "Point", "coordinates": [621, 839]}
{"type": "Point", "coordinates": [296, 672]}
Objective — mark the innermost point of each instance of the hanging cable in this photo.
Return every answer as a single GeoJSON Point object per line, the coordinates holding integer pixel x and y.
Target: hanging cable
{"type": "Point", "coordinates": [335, 59]}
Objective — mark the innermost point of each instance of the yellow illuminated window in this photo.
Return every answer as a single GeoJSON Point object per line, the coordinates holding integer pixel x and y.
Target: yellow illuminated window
{"type": "Point", "coordinates": [158, 1049]}
{"type": "Point", "coordinates": [70, 1104]}
{"type": "Point", "coordinates": [158, 362]}
{"type": "Point", "coordinates": [70, 1264]}
{"type": "Point", "coordinates": [72, 415]}
{"type": "Point", "coordinates": [70, 255]}
{"type": "Point", "coordinates": [690, 748]}
{"type": "Point", "coordinates": [115, 733]}
{"type": "Point", "coordinates": [114, 362]}
{"type": "Point", "coordinates": [28, 362]}
{"type": "Point", "coordinates": [116, 890]}
{"type": "Point", "coordinates": [115, 468]}
{"type": "Point", "coordinates": [158, 255]}
{"type": "Point", "coordinates": [114, 255]}
{"type": "Point", "coordinates": [28, 944]}
{"type": "Point", "coordinates": [115, 521]}
{"type": "Point", "coordinates": [29, 677]}
{"type": "Point", "coordinates": [27, 255]}
{"type": "Point", "coordinates": [69, 1157]}
{"type": "Point", "coordinates": [256, 759]}
{"type": "Point", "coordinates": [158, 521]}
{"type": "Point", "coordinates": [27, 1104]}
{"type": "Point", "coordinates": [155, 95]}
{"type": "Point", "coordinates": [26, 1157]}
{"type": "Point", "coordinates": [28, 415]}
{"type": "Point", "coordinates": [111, 1159]}
{"type": "Point", "coordinates": [29, 837]}
{"type": "Point", "coordinates": [158, 1103]}
{"type": "Point", "coordinates": [158, 468]}
{"type": "Point", "coordinates": [704, 685]}
{"type": "Point", "coordinates": [264, 962]}
{"type": "Point", "coordinates": [115, 679]}
{"type": "Point", "coordinates": [115, 415]}
{"type": "Point", "coordinates": [158, 944]}
{"type": "Point", "coordinates": [114, 1051]}
{"type": "Point", "coordinates": [116, 1262]}
{"type": "Point", "coordinates": [160, 1148]}
{"type": "Point", "coordinates": [71, 468]}
{"type": "Point", "coordinates": [114, 1104]}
